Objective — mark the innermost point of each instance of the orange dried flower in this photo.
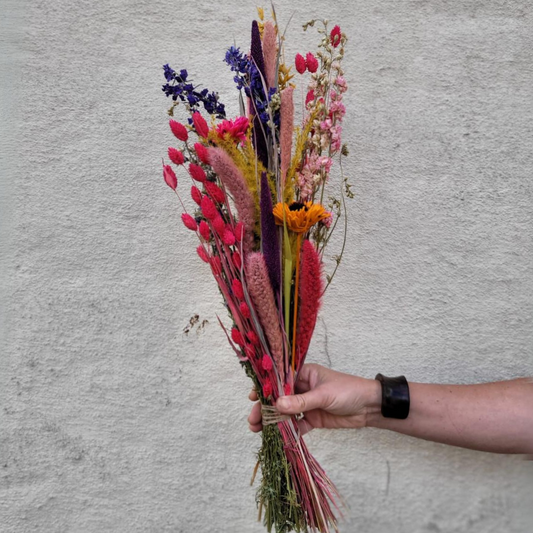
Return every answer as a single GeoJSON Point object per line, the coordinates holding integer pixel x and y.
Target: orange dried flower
{"type": "Point", "coordinates": [300, 217]}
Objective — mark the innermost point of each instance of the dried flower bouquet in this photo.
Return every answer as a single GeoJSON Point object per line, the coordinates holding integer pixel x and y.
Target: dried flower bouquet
{"type": "Point", "coordinates": [258, 188]}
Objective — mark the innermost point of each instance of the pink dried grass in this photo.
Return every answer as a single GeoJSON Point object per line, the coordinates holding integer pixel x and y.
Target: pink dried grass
{"type": "Point", "coordinates": [234, 181]}
{"type": "Point", "coordinates": [286, 130]}
{"type": "Point", "coordinates": [262, 296]}
{"type": "Point", "coordinates": [270, 53]}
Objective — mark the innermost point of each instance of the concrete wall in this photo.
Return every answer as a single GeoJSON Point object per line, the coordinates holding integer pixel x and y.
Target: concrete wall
{"type": "Point", "coordinates": [112, 417]}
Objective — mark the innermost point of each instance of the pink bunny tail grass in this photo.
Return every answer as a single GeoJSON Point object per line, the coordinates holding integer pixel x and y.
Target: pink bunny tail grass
{"type": "Point", "coordinates": [311, 288]}
{"type": "Point", "coordinates": [234, 181]}
{"type": "Point", "coordinates": [262, 297]}
{"type": "Point", "coordinates": [286, 130]}
{"type": "Point", "coordinates": [270, 53]}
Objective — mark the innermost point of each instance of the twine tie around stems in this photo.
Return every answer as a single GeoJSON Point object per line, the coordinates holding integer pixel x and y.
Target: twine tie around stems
{"type": "Point", "coordinates": [271, 415]}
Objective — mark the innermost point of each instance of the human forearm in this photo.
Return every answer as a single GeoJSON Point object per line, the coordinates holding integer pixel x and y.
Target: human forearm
{"type": "Point", "coordinates": [494, 417]}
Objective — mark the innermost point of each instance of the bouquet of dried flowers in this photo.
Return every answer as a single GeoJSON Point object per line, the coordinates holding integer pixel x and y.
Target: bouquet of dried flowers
{"type": "Point", "coordinates": [258, 193]}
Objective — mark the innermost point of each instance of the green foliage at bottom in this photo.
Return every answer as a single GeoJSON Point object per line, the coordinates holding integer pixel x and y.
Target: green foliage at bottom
{"type": "Point", "coordinates": [276, 495]}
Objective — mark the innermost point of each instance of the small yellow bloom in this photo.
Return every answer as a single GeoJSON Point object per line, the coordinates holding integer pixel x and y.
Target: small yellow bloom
{"type": "Point", "coordinates": [300, 217]}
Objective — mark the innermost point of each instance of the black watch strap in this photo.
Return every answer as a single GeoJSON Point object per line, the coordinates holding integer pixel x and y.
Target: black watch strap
{"type": "Point", "coordinates": [394, 397]}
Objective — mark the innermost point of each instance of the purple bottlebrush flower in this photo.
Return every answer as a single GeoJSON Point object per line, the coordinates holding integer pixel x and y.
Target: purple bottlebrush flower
{"type": "Point", "coordinates": [269, 235]}
{"type": "Point", "coordinates": [256, 50]}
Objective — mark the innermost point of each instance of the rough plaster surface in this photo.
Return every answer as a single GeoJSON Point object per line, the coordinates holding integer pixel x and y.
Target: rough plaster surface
{"type": "Point", "coordinates": [114, 419]}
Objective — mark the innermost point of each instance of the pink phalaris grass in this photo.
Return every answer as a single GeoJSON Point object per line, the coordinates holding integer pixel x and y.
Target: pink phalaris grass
{"type": "Point", "coordinates": [179, 130]}
{"type": "Point", "coordinates": [310, 96]}
{"type": "Point", "coordinates": [176, 156]}
{"type": "Point", "coordinates": [239, 231]}
{"type": "Point", "coordinates": [205, 232]}
{"type": "Point", "coordinates": [216, 265]}
{"type": "Point", "coordinates": [270, 53]}
{"type": "Point", "coordinates": [196, 195]}
{"type": "Point", "coordinates": [312, 62]}
{"type": "Point", "coordinates": [245, 310]}
{"type": "Point", "coordinates": [234, 181]}
{"type": "Point", "coordinates": [237, 337]}
{"type": "Point", "coordinates": [219, 225]}
{"type": "Point", "coordinates": [202, 253]}
{"type": "Point", "coordinates": [200, 125]}
{"type": "Point", "coordinates": [287, 389]}
{"type": "Point", "coordinates": [253, 338]}
{"type": "Point", "coordinates": [262, 297]}
{"type": "Point", "coordinates": [197, 173]}
{"type": "Point", "coordinates": [208, 208]}
{"type": "Point", "coordinates": [311, 288]}
{"type": "Point", "coordinates": [215, 192]}
{"type": "Point", "coordinates": [286, 130]}
{"type": "Point", "coordinates": [299, 63]}
{"type": "Point", "coordinates": [267, 387]}
{"type": "Point", "coordinates": [266, 362]}
{"type": "Point", "coordinates": [236, 260]}
{"type": "Point", "coordinates": [170, 177]}
{"type": "Point", "coordinates": [201, 152]}
{"type": "Point", "coordinates": [189, 221]}
{"type": "Point", "coordinates": [228, 238]}
{"type": "Point", "coordinates": [238, 291]}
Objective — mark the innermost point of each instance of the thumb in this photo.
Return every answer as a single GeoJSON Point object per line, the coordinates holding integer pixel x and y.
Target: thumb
{"type": "Point", "coordinates": [299, 403]}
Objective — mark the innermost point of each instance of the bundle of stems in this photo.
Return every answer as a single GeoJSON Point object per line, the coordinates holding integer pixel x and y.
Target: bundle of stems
{"type": "Point", "coordinates": [258, 186]}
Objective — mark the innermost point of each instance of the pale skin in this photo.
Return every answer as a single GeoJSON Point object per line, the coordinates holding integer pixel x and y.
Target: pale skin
{"type": "Point", "coordinates": [492, 417]}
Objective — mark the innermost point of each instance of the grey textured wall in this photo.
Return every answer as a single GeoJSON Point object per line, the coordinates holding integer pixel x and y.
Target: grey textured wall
{"type": "Point", "coordinates": [112, 417]}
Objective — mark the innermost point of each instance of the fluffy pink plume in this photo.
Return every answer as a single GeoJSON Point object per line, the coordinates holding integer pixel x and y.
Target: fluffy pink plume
{"type": "Point", "coordinates": [270, 53]}
{"type": "Point", "coordinates": [262, 297]}
{"type": "Point", "coordinates": [286, 130]}
{"type": "Point", "coordinates": [311, 288]}
{"type": "Point", "coordinates": [233, 180]}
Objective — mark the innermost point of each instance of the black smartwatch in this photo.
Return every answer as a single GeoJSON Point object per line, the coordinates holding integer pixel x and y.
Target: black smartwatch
{"type": "Point", "coordinates": [394, 397]}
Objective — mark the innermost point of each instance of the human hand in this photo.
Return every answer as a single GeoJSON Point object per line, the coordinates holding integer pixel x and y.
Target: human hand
{"type": "Point", "coordinates": [328, 399]}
